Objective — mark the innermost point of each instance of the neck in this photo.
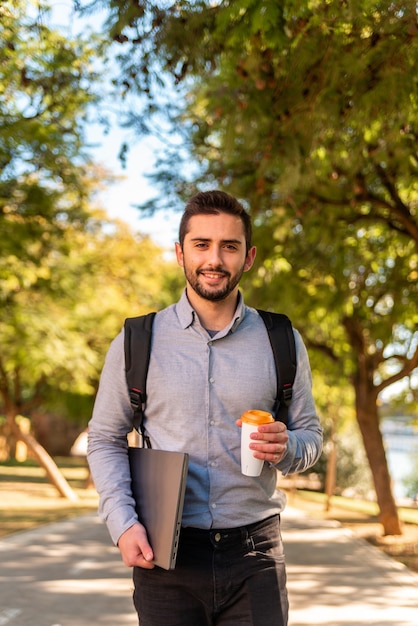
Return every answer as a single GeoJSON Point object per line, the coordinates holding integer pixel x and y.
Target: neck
{"type": "Point", "coordinates": [213, 315]}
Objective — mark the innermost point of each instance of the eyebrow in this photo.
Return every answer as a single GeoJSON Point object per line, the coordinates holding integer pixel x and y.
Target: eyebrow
{"type": "Point", "coordinates": [208, 240]}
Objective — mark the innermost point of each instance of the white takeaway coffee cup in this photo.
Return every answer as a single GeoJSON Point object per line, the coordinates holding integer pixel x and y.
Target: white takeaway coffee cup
{"type": "Point", "coordinates": [251, 420]}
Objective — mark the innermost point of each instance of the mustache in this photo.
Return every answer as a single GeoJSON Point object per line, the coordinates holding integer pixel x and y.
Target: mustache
{"type": "Point", "coordinates": [218, 270]}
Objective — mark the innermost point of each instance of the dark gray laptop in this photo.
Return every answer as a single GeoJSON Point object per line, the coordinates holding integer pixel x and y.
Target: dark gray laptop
{"type": "Point", "coordinates": [158, 486]}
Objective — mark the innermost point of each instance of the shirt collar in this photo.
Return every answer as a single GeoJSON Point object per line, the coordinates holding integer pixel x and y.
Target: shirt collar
{"type": "Point", "coordinates": [185, 311]}
{"type": "Point", "coordinates": [187, 314]}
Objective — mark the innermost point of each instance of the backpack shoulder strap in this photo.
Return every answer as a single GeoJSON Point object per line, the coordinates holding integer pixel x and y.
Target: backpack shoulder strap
{"type": "Point", "coordinates": [282, 339]}
{"type": "Point", "coordinates": [138, 331]}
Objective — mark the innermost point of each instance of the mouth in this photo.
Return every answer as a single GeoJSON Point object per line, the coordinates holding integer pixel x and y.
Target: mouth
{"type": "Point", "coordinates": [212, 276]}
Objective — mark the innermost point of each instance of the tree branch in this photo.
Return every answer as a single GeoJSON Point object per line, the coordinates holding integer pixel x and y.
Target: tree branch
{"type": "Point", "coordinates": [401, 211]}
{"type": "Point", "coordinates": [406, 370]}
{"type": "Point", "coordinates": [319, 347]}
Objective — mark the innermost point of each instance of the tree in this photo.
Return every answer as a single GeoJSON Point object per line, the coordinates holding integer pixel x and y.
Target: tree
{"type": "Point", "coordinates": [352, 293]}
{"type": "Point", "coordinates": [309, 106]}
{"type": "Point", "coordinates": [309, 113]}
{"type": "Point", "coordinates": [65, 320]}
{"type": "Point", "coordinates": [46, 87]}
{"type": "Point", "coordinates": [68, 275]}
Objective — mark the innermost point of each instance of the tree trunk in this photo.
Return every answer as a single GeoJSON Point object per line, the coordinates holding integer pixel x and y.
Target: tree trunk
{"type": "Point", "coordinates": [368, 420]}
{"type": "Point", "coordinates": [53, 473]}
{"type": "Point", "coordinates": [331, 476]}
{"type": "Point", "coordinates": [10, 441]}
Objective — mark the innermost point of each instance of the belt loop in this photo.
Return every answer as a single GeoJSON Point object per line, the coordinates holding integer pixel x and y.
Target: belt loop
{"type": "Point", "coordinates": [249, 540]}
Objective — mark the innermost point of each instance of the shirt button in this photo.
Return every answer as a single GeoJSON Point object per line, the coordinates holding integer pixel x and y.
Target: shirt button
{"type": "Point", "coordinates": [212, 422]}
{"type": "Point", "coordinates": [213, 463]}
{"type": "Point", "coordinates": [211, 380]}
{"type": "Point", "coordinates": [214, 505]}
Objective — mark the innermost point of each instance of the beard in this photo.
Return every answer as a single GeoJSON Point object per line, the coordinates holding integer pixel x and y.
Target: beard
{"type": "Point", "coordinates": [213, 294]}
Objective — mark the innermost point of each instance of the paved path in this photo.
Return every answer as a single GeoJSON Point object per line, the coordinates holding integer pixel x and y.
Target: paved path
{"type": "Point", "coordinates": [69, 574]}
{"type": "Point", "coordinates": [64, 574]}
{"type": "Point", "coordinates": [335, 579]}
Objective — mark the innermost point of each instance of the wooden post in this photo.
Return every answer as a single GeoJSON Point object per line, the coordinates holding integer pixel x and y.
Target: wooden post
{"type": "Point", "coordinates": [331, 475]}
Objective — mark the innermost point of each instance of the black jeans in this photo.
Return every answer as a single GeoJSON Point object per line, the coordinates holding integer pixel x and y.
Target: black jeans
{"type": "Point", "coordinates": [233, 577]}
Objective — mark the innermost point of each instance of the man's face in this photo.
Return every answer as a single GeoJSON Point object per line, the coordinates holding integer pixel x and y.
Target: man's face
{"type": "Point", "coordinates": [213, 255]}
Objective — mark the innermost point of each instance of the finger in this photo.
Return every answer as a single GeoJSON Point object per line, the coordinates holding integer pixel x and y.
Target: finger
{"type": "Point", "coordinates": [273, 427]}
{"type": "Point", "coordinates": [274, 438]}
{"type": "Point", "coordinates": [142, 562]}
{"type": "Point", "coordinates": [132, 559]}
{"type": "Point", "coordinates": [269, 458]}
{"type": "Point", "coordinates": [264, 450]}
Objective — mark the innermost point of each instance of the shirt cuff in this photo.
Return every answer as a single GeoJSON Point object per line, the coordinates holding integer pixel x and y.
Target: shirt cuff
{"type": "Point", "coordinates": [285, 465]}
{"type": "Point", "coordinates": [119, 521]}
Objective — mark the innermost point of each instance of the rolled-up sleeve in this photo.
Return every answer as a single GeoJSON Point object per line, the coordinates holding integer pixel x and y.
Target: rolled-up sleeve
{"type": "Point", "coordinates": [107, 444]}
{"type": "Point", "coordinates": [304, 429]}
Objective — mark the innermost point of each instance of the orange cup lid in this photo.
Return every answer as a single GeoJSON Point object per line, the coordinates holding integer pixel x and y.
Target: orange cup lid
{"type": "Point", "coordinates": [255, 416]}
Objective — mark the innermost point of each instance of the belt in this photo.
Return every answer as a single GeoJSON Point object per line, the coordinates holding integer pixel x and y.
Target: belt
{"type": "Point", "coordinates": [225, 537]}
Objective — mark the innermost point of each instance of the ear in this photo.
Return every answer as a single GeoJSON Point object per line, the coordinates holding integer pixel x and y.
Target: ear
{"type": "Point", "coordinates": [179, 254]}
{"type": "Point", "coordinates": [250, 258]}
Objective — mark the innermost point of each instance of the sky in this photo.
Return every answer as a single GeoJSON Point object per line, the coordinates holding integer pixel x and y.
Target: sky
{"type": "Point", "coordinates": [133, 187]}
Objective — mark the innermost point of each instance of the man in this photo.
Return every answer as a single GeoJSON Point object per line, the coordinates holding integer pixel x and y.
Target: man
{"type": "Point", "coordinates": [210, 361]}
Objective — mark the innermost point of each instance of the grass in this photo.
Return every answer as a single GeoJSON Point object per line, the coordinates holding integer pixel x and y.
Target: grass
{"type": "Point", "coordinates": [361, 518]}
{"type": "Point", "coordinates": [28, 499]}
{"type": "Point", "coordinates": [406, 514]}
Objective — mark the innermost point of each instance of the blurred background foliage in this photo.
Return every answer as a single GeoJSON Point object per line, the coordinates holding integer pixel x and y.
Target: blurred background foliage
{"type": "Point", "coordinates": [307, 111]}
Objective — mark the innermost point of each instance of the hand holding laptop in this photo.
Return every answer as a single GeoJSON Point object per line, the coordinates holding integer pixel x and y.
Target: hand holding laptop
{"type": "Point", "coordinates": [134, 547]}
{"type": "Point", "coordinates": [158, 487]}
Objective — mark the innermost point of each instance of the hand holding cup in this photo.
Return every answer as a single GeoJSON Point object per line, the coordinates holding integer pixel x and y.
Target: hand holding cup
{"type": "Point", "coordinates": [251, 420]}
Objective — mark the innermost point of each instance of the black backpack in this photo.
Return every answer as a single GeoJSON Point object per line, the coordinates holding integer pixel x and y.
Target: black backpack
{"type": "Point", "coordinates": [138, 348]}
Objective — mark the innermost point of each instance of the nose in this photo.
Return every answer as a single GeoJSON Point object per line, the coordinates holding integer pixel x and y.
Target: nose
{"type": "Point", "coordinates": [215, 256]}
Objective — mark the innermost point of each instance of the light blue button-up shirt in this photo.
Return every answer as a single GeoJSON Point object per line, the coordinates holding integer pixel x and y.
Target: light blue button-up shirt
{"type": "Point", "coordinates": [197, 387]}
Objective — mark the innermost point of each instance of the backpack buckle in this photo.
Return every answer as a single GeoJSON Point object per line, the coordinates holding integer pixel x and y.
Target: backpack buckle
{"type": "Point", "coordinates": [137, 398]}
{"type": "Point", "coordinates": [287, 394]}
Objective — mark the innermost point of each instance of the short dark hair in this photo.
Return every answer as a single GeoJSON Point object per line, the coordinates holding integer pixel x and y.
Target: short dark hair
{"type": "Point", "coordinates": [212, 203]}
